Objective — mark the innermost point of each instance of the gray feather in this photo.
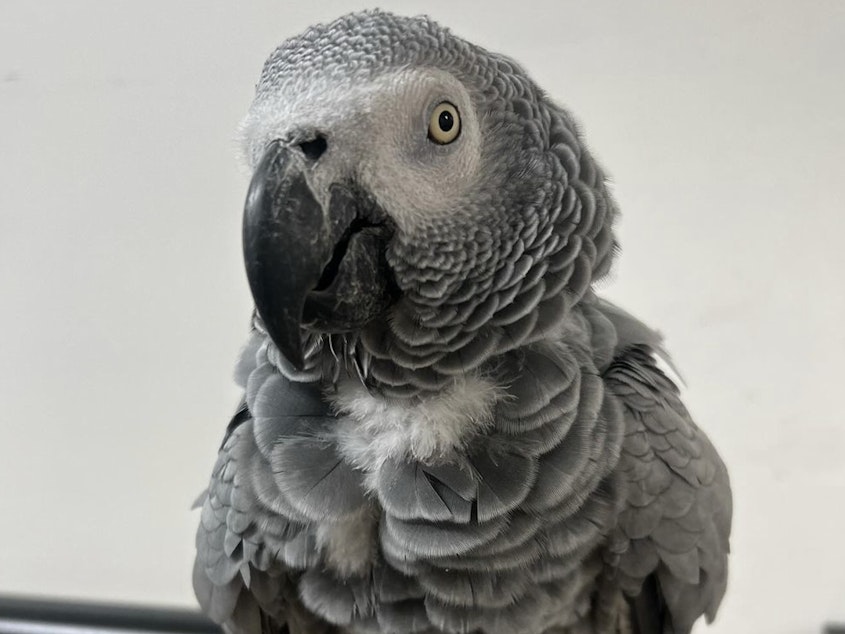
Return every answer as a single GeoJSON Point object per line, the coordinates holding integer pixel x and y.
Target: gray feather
{"type": "Point", "coordinates": [337, 601]}
{"type": "Point", "coordinates": [410, 491]}
{"type": "Point", "coordinates": [391, 586]}
{"type": "Point", "coordinates": [319, 484]}
{"type": "Point", "coordinates": [487, 589]}
{"type": "Point", "coordinates": [419, 540]}
{"type": "Point", "coordinates": [505, 478]}
{"type": "Point", "coordinates": [404, 617]}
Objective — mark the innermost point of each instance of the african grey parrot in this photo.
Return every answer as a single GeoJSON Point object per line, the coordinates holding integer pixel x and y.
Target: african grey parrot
{"type": "Point", "coordinates": [443, 428]}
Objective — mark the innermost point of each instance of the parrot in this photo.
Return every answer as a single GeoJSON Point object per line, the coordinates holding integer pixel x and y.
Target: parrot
{"type": "Point", "coordinates": [444, 428]}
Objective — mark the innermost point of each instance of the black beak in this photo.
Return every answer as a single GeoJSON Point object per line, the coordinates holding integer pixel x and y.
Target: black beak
{"type": "Point", "coordinates": [322, 268]}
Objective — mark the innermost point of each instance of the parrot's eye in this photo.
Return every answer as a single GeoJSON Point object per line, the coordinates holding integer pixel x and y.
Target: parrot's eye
{"type": "Point", "coordinates": [445, 124]}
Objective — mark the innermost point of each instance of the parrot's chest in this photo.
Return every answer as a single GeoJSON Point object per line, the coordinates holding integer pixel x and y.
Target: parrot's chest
{"type": "Point", "coordinates": [372, 430]}
{"type": "Point", "coordinates": [456, 530]}
{"type": "Point", "coordinates": [470, 510]}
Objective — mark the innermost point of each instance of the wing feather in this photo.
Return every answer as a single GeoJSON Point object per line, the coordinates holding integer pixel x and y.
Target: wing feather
{"type": "Point", "coordinates": [252, 542]}
{"type": "Point", "coordinates": [672, 535]}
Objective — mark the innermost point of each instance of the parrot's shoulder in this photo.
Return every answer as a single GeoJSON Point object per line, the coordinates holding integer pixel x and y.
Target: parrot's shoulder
{"type": "Point", "coordinates": [673, 531]}
{"type": "Point", "coordinates": [263, 514]}
{"type": "Point", "coordinates": [235, 574]}
{"type": "Point", "coordinates": [613, 330]}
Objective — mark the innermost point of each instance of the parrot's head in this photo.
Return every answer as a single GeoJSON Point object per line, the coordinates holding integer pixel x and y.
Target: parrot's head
{"type": "Point", "coordinates": [416, 194]}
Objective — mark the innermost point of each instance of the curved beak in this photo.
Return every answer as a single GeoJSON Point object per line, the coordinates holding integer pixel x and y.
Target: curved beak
{"type": "Point", "coordinates": [311, 266]}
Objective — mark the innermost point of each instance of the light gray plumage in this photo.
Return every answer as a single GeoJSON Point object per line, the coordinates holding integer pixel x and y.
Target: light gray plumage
{"type": "Point", "coordinates": [498, 452]}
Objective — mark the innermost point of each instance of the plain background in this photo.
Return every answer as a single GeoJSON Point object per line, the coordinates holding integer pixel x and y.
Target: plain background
{"type": "Point", "coordinates": [124, 303]}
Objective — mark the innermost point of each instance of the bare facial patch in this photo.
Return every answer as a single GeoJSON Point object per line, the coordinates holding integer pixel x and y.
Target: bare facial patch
{"type": "Point", "coordinates": [378, 134]}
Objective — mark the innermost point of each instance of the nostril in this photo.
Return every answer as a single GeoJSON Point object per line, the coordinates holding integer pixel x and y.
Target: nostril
{"type": "Point", "coordinates": [314, 148]}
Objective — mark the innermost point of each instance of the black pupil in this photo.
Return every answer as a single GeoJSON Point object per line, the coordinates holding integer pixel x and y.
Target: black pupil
{"type": "Point", "coordinates": [445, 121]}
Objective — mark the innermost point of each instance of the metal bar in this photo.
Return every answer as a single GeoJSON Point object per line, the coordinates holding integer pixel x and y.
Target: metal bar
{"type": "Point", "coordinates": [20, 615]}
{"type": "Point", "coordinates": [43, 616]}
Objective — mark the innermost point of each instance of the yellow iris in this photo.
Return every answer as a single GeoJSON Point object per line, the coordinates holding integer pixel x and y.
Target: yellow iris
{"type": "Point", "coordinates": [445, 124]}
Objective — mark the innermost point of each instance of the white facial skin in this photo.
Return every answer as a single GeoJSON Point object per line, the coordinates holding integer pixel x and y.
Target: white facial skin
{"type": "Point", "coordinates": [378, 136]}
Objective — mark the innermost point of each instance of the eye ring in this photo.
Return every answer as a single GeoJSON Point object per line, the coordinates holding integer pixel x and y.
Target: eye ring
{"type": "Point", "coordinates": [444, 125]}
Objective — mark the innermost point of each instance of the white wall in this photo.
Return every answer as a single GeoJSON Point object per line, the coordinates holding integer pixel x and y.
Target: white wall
{"type": "Point", "coordinates": [124, 302]}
